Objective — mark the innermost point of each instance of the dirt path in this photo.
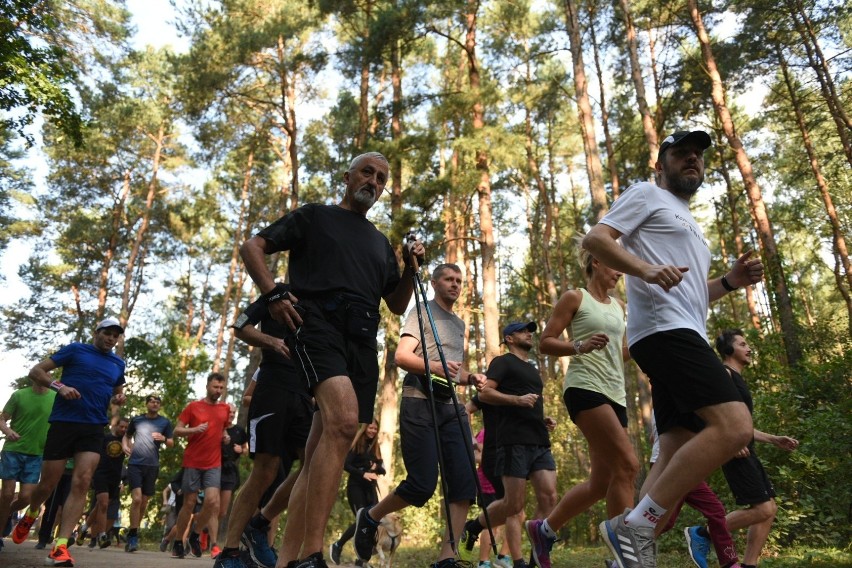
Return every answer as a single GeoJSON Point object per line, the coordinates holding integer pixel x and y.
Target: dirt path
{"type": "Point", "coordinates": [26, 556]}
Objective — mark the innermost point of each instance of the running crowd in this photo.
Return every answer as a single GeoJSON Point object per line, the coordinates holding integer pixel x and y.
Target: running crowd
{"type": "Point", "coordinates": [315, 389]}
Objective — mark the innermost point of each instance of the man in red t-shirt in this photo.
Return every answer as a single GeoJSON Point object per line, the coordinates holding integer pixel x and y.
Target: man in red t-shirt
{"type": "Point", "coordinates": [203, 423]}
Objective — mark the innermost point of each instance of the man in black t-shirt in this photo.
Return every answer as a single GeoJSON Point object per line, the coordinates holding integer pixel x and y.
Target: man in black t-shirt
{"type": "Point", "coordinates": [515, 387]}
{"type": "Point", "coordinates": [340, 267]}
{"type": "Point", "coordinates": [279, 419]}
{"type": "Point", "coordinates": [744, 473]}
{"type": "Point", "coordinates": [230, 480]}
{"type": "Point", "coordinates": [106, 481]}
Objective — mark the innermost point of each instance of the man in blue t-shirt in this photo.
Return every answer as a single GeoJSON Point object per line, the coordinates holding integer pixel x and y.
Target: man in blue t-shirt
{"type": "Point", "coordinates": [145, 434]}
{"type": "Point", "coordinates": [92, 379]}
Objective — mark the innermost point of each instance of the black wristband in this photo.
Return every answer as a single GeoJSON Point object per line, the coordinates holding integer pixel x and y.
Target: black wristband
{"type": "Point", "coordinates": [727, 285]}
{"type": "Point", "coordinates": [280, 292]}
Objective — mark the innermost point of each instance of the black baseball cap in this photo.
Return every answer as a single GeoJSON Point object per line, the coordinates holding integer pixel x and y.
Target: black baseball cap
{"type": "Point", "coordinates": [698, 136]}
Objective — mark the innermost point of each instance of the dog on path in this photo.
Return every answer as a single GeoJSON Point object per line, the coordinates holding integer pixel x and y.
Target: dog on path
{"type": "Point", "coordinates": [388, 537]}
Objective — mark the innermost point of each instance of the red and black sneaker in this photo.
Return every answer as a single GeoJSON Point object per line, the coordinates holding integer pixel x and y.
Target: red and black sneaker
{"type": "Point", "coordinates": [60, 556]}
{"type": "Point", "coordinates": [22, 529]}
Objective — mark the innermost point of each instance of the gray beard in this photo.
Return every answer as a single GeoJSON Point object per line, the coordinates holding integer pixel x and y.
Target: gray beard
{"type": "Point", "coordinates": [364, 199]}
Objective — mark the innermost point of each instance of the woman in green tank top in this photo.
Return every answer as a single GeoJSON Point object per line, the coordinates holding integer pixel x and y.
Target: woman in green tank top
{"type": "Point", "coordinates": [594, 394]}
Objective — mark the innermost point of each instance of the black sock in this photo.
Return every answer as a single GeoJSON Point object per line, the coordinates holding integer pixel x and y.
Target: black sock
{"type": "Point", "coordinates": [445, 563]}
{"type": "Point", "coordinates": [132, 532]}
{"type": "Point", "coordinates": [230, 552]}
{"type": "Point", "coordinates": [293, 564]}
{"type": "Point", "coordinates": [259, 522]}
{"type": "Point", "coordinates": [702, 531]}
{"type": "Point", "coordinates": [519, 563]}
{"type": "Point", "coordinates": [314, 556]}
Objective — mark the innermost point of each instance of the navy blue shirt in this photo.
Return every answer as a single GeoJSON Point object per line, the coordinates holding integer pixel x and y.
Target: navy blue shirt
{"type": "Point", "coordinates": [95, 375]}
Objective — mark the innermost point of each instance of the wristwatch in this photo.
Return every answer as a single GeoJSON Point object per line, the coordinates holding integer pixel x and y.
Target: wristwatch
{"type": "Point", "coordinates": [577, 346]}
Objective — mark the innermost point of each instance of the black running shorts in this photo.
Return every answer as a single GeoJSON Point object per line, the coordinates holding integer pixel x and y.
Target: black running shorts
{"type": "Point", "coordinates": [320, 351]}
{"type": "Point", "coordinates": [686, 375]}
{"type": "Point", "coordinates": [748, 480]}
{"type": "Point", "coordinates": [64, 439]}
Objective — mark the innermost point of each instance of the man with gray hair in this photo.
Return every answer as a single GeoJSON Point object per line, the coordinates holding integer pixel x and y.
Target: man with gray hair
{"type": "Point", "coordinates": [340, 268]}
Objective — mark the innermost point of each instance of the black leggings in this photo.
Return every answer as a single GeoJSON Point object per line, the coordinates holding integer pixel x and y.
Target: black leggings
{"type": "Point", "coordinates": [360, 495]}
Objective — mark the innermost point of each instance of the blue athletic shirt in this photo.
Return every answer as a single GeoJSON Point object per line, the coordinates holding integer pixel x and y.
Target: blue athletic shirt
{"type": "Point", "coordinates": [95, 375]}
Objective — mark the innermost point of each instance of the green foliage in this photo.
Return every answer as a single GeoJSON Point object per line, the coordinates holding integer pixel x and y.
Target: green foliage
{"type": "Point", "coordinates": [33, 76]}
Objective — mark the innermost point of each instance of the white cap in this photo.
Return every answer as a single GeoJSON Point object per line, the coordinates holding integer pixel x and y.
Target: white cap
{"type": "Point", "coordinates": [110, 322]}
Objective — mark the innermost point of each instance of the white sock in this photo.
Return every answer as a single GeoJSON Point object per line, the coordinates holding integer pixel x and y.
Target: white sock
{"type": "Point", "coordinates": [548, 532]}
{"type": "Point", "coordinates": [646, 514]}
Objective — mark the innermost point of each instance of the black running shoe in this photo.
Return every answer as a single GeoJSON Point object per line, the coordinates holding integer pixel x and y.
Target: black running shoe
{"type": "Point", "coordinates": [194, 542]}
{"type": "Point", "coordinates": [334, 552]}
{"type": "Point", "coordinates": [468, 538]}
{"type": "Point", "coordinates": [365, 535]}
{"type": "Point", "coordinates": [315, 560]}
{"type": "Point", "coordinates": [177, 550]}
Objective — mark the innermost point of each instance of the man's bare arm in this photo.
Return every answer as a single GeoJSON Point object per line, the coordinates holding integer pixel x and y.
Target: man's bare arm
{"type": "Point", "coordinates": [601, 241]}
{"type": "Point", "coordinates": [253, 252]}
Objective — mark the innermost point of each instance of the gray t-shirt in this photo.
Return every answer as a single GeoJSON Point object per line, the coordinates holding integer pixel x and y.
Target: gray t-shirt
{"type": "Point", "coordinates": [451, 332]}
{"type": "Point", "coordinates": [145, 450]}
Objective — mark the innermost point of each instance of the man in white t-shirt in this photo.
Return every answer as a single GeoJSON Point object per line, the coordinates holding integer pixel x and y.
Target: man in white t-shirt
{"type": "Point", "coordinates": [700, 415]}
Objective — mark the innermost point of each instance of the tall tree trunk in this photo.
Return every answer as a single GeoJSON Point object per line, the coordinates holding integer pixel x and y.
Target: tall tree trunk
{"type": "Point", "coordinates": [838, 238]}
{"type": "Point", "coordinates": [377, 102]}
{"type": "Point", "coordinates": [364, 95]}
{"type": "Point", "coordinates": [137, 249]}
{"type": "Point", "coordinates": [819, 64]}
{"type": "Point", "coordinates": [544, 206]}
{"type": "Point", "coordinates": [233, 268]}
{"type": "Point", "coordinates": [235, 312]}
{"type": "Point", "coordinates": [389, 388]}
{"type": "Point", "coordinates": [288, 111]}
{"type": "Point", "coordinates": [455, 212]}
{"type": "Point", "coordinates": [554, 203]}
{"type": "Point", "coordinates": [191, 340]}
{"type": "Point", "coordinates": [584, 108]}
{"type": "Point", "coordinates": [731, 197]}
{"type": "Point", "coordinates": [655, 76]}
{"type": "Point", "coordinates": [475, 300]}
{"type": "Point", "coordinates": [109, 253]}
{"type": "Point", "coordinates": [722, 231]}
{"type": "Point", "coordinates": [611, 163]}
{"type": "Point", "coordinates": [491, 313]}
{"type": "Point", "coordinates": [648, 126]}
{"type": "Point", "coordinates": [81, 316]}
{"type": "Point", "coordinates": [765, 232]}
